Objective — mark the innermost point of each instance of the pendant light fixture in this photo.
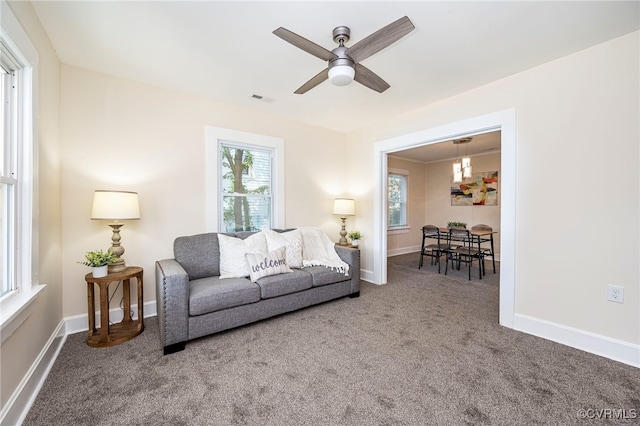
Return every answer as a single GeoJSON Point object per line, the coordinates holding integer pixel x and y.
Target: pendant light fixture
{"type": "Point", "coordinates": [461, 167]}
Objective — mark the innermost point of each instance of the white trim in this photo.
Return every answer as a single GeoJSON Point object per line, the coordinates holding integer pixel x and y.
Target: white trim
{"type": "Point", "coordinates": [216, 134]}
{"type": "Point", "coordinates": [366, 275]}
{"type": "Point", "coordinates": [21, 400]}
{"type": "Point", "coordinates": [403, 250]}
{"type": "Point", "coordinates": [80, 323]}
{"type": "Point", "coordinates": [15, 306]}
{"type": "Point", "coordinates": [16, 309]}
{"type": "Point", "coordinates": [617, 350]}
{"type": "Point", "coordinates": [501, 120]}
{"type": "Point", "coordinates": [398, 230]}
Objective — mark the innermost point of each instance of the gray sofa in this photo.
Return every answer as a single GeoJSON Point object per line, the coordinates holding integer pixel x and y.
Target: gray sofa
{"type": "Point", "coordinates": [193, 302]}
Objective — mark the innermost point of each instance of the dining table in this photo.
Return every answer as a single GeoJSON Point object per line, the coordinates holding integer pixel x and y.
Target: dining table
{"type": "Point", "coordinates": [483, 236]}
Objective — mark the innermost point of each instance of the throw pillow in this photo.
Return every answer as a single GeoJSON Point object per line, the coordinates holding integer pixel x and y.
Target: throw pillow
{"type": "Point", "coordinates": [291, 240]}
{"type": "Point", "coordinates": [273, 263]}
{"type": "Point", "coordinates": [233, 262]}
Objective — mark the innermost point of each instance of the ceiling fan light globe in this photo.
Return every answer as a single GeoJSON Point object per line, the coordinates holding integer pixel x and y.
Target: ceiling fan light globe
{"type": "Point", "coordinates": [341, 75]}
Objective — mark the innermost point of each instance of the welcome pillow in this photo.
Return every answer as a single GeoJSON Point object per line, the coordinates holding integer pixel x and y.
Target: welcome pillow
{"type": "Point", "coordinates": [273, 263]}
{"type": "Point", "coordinates": [291, 240]}
{"type": "Point", "coordinates": [233, 262]}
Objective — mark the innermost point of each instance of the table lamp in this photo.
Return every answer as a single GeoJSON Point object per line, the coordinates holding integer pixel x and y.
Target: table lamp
{"type": "Point", "coordinates": [344, 207]}
{"type": "Point", "coordinates": [115, 205]}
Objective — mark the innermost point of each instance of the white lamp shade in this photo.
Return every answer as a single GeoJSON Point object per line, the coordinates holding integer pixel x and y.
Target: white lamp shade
{"type": "Point", "coordinates": [115, 205]}
{"type": "Point", "coordinates": [344, 207]}
{"type": "Point", "coordinates": [341, 75]}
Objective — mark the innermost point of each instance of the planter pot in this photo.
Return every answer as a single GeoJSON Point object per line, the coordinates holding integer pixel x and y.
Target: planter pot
{"type": "Point", "coordinates": [354, 243]}
{"type": "Point", "coordinates": [100, 271]}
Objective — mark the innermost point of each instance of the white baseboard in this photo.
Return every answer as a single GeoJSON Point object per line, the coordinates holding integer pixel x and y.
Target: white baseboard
{"type": "Point", "coordinates": [79, 323]}
{"type": "Point", "coordinates": [403, 250]}
{"type": "Point", "coordinates": [617, 350]}
{"type": "Point", "coordinates": [19, 403]}
{"type": "Point", "coordinates": [366, 275]}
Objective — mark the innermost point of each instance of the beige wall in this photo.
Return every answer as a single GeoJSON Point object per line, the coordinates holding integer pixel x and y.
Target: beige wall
{"type": "Point", "coordinates": [576, 169]}
{"type": "Point", "coordinates": [119, 134]}
{"type": "Point", "coordinates": [20, 351]}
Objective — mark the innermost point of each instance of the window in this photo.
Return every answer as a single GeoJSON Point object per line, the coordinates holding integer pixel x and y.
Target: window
{"type": "Point", "coordinates": [397, 184]}
{"type": "Point", "coordinates": [18, 225]}
{"type": "Point", "coordinates": [246, 188]}
{"type": "Point", "coordinates": [245, 181]}
{"type": "Point", "coordinates": [8, 177]}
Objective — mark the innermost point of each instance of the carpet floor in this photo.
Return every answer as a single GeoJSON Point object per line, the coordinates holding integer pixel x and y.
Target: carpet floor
{"type": "Point", "coordinates": [424, 349]}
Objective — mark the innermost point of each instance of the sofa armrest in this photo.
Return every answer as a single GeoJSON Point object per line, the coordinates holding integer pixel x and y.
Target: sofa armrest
{"type": "Point", "coordinates": [172, 300]}
{"type": "Point", "coordinates": [352, 257]}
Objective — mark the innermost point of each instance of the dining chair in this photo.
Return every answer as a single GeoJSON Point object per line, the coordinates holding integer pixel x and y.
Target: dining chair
{"type": "Point", "coordinates": [487, 251]}
{"type": "Point", "coordinates": [467, 253]}
{"type": "Point", "coordinates": [436, 249]}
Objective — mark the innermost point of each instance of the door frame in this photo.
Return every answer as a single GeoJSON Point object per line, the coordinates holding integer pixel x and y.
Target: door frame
{"type": "Point", "coordinates": [504, 121]}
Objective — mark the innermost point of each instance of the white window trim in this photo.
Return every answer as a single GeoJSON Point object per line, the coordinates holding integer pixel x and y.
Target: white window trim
{"type": "Point", "coordinates": [18, 305]}
{"type": "Point", "coordinates": [214, 135]}
{"type": "Point", "coordinates": [400, 229]}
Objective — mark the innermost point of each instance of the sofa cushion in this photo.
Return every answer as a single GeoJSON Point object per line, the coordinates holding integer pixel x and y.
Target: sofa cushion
{"type": "Point", "coordinates": [213, 294]}
{"type": "Point", "coordinates": [199, 255]}
{"type": "Point", "coordinates": [278, 285]}
{"type": "Point", "coordinates": [322, 276]}
{"type": "Point", "coordinates": [264, 265]}
{"type": "Point", "coordinates": [233, 262]}
{"type": "Point", "coordinates": [291, 240]}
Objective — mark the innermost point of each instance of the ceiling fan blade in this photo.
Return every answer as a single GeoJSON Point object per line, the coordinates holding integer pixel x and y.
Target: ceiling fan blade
{"type": "Point", "coordinates": [368, 78]}
{"type": "Point", "coordinates": [319, 78]}
{"type": "Point", "coordinates": [304, 44]}
{"type": "Point", "coordinates": [380, 39]}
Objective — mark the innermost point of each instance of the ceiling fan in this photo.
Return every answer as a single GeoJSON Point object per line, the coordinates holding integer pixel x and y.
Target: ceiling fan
{"type": "Point", "coordinates": [343, 62]}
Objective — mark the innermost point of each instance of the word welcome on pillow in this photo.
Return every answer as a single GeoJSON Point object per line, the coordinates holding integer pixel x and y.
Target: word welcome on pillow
{"type": "Point", "coordinates": [233, 262]}
{"type": "Point", "coordinates": [273, 263]}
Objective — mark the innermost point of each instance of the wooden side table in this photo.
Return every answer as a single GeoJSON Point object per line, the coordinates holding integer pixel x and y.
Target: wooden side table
{"type": "Point", "coordinates": [127, 329]}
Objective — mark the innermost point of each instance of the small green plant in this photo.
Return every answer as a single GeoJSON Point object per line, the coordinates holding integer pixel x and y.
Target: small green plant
{"type": "Point", "coordinates": [354, 235]}
{"type": "Point", "coordinates": [98, 258]}
{"type": "Point", "coordinates": [457, 225]}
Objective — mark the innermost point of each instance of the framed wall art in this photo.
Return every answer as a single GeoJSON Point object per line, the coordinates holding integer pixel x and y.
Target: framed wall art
{"type": "Point", "coordinates": [481, 189]}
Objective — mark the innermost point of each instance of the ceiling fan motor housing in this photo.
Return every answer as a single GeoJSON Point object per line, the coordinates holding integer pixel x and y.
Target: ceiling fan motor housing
{"type": "Point", "coordinates": [341, 69]}
{"type": "Point", "coordinates": [341, 35]}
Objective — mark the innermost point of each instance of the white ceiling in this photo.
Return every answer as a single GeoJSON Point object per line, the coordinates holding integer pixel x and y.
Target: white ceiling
{"type": "Point", "coordinates": [226, 50]}
{"type": "Point", "coordinates": [480, 144]}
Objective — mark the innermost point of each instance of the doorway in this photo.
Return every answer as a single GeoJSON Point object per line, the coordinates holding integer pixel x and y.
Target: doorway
{"type": "Point", "coordinates": [503, 121]}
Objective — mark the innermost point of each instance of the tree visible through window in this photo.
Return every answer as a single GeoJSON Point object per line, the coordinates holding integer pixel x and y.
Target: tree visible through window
{"type": "Point", "coordinates": [246, 188]}
{"type": "Point", "coordinates": [397, 200]}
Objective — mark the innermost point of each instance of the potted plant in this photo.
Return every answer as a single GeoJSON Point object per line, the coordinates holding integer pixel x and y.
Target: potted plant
{"type": "Point", "coordinates": [457, 225]}
{"type": "Point", "coordinates": [99, 261]}
{"type": "Point", "coordinates": [354, 236]}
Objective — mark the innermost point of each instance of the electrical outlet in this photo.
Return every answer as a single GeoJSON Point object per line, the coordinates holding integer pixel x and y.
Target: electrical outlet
{"type": "Point", "coordinates": [616, 294]}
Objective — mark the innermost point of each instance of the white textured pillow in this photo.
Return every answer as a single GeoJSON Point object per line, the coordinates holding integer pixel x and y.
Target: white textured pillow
{"type": "Point", "coordinates": [291, 240]}
{"type": "Point", "coordinates": [273, 263]}
{"type": "Point", "coordinates": [233, 262]}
